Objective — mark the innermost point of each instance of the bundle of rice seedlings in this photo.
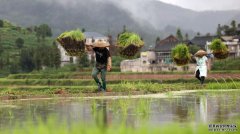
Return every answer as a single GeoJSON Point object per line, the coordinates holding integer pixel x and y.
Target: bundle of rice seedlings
{"type": "Point", "coordinates": [129, 44]}
{"type": "Point", "coordinates": [180, 54]}
{"type": "Point", "coordinates": [219, 49]}
{"type": "Point", "coordinates": [73, 42]}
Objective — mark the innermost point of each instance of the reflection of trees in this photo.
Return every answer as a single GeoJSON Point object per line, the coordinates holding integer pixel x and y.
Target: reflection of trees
{"type": "Point", "coordinates": [181, 110]}
{"type": "Point", "coordinates": [222, 111]}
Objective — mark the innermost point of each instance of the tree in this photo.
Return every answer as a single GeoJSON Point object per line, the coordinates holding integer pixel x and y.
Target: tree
{"type": "Point", "coordinates": [19, 42]}
{"type": "Point", "coordinates": [37, 58]}
{"type": "Point", "coordinates": [179, 34]}
{"type": "Point", "coordinates": [83, 61]}
{"type": "Point", "coordinates": [233, 24]}
{"type": "Point", "coordinates": [233, 27]}
{"type": "Point", "coordinates": [14, 67]}
{"type": "Point", "coordinates": [198, 33]}
{"type": "Point", "coordinates": [186, 36]}
{"type": "Point", "coordinates": [219, 30]}
{"type": "Point", "coordinates": [1, 47]}
{"type": "Point", "coordinates": [238, 31]}
{"type": "Point", "coordinates": [43, 31]}
{"type": "Point", "coordinates": [56, 58]}
{"type": "Point", "coordinates": [83, 30]}
{"type": "Point", "coordinates": [157, 40]}
{"type": "Point", "coordinates": [124, 28]}
{"type": "Point", "coordinates": [1, 23]}
{"type": "Point", "coordinates": [26, 60]}
{"type": "Point", "coordinates": [193, 49]}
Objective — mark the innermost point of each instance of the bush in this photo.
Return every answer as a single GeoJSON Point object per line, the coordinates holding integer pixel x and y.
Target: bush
{"type": "Point", "coordinates": [227, 64]}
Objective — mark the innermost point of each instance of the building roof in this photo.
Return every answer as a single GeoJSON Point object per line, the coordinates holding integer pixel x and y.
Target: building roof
{"type": "Point", "coordinates": [168, 43]}
{"type": "Point", "coordinates": [94, 35]}
{"type": "Point", "coordinates": [227, 38]}
{"type": "Point", "coordinates": [236, 37]}
{"type": "Point", "coordinates": [202, 40]}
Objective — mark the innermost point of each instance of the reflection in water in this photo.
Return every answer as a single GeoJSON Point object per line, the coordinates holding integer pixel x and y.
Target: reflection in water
{"type": "Point", "coordinates": [102, 115]}
{"type": "Point", "coordinates": [206, 108]}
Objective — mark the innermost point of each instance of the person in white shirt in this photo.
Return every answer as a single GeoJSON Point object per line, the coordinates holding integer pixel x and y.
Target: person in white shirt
{"type": "Point", "coordinates": [201, 68]}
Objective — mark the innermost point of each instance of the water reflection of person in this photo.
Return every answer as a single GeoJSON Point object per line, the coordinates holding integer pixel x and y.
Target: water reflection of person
{"type": "Point", "coordinates": [102, 116]}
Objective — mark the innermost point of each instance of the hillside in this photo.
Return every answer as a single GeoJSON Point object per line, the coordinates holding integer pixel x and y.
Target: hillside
{"type": "Point", "coordinates": [150, 18]}
{"type": "Point", "coordinates": [10, 53]}
{"type": "Point", "coordinates": [10, 32]}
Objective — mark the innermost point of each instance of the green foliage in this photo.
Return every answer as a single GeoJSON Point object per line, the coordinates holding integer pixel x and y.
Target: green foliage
{"type": "Point", "coordinates": [19, 42]}
{"type": "Point", "coordinates": [193, 49]}
{"type": "Point", "coordinates": [36, 58]}
{"type": "Point", "coordinates": [228, 30]}
{"type": "Point", "coordinates": [227, 64]}
{"type": "Point", "coordinates": [125, 39]}
{"type": "Point", "coordinates": [218, 46]}
{"type": "Point", "coordinates": [43, 31]}
{"type": "Point", "coordinates": [83, 61]}
{"type": "Point", "coordinates": [179, 34]}
{"type": "Point", "coordinates": [1, 23]}
{"type": "Point", "coordinates": [219, 30]}
{"type": "Point", "coordinates": [26, 60]}
{"type": "Point", "coordinates": [116, 60]}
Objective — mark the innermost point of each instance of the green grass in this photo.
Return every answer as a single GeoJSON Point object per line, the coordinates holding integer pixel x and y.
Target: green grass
{"type": "Point", "coordinates": [52, 126]}
{"type": "Point", "coordinates": [124, 86]}
{"type": "Point", "coordinates": [227, 64]}
{"type": "Point", "coordinates": [83, 81]}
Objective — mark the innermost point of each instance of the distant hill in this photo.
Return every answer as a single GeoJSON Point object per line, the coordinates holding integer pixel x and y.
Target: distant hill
{"type": "Point", "coordinates": [10, 32]}
{"type": "Point", "coordinates": [8, 35]}
{"type": "Point", "coordinates": [150, 18]}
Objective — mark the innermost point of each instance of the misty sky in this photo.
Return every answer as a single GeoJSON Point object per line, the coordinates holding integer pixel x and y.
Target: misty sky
{"type": "Point", "coordinates": [202, 5]}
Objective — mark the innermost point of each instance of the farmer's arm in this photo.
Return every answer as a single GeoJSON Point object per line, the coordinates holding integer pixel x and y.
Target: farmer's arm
{"type": "Point", "coordinates": [109, 64]}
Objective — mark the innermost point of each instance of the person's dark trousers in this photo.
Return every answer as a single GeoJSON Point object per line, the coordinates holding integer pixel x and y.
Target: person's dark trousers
{"type": "Point", "coordinates": [201, 79]}
{"type": "Point", "coordinates": [103, 71]}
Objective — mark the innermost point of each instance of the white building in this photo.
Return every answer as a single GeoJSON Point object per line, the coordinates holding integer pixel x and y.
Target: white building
{"type": "Point", "coordinates": [233, 44]}
{"type": "Point", "coordinates": [65, 58]}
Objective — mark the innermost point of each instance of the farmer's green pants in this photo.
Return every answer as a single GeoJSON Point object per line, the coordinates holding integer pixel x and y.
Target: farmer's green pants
{"type": "Point", "coordinates": [103, 71]}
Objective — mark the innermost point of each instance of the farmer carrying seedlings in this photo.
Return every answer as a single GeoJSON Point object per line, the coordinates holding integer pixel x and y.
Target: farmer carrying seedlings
{"type": "Point", "coordinates": [201, 69]}
{"type": "Point", "coordinates": [103, 62]}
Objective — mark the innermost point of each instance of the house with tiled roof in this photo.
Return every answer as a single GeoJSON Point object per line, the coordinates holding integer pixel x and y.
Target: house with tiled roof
{"type": "Point", "coordinates": [163, 48]}
{"type": "Point", "coordinates": [201, 41]}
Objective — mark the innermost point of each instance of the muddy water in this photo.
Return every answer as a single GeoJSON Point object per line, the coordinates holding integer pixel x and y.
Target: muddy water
{"type": "Point", "coordinates": [202, 107]}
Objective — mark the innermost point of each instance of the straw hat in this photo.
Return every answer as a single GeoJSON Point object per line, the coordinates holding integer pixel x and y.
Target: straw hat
{"type": "Point", "coordinates": [101, 43]}
{"type": "Point", "coordinates": [200, 53]}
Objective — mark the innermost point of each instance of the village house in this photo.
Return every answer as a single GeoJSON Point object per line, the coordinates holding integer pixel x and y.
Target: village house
{"type": "Point", "coordinates": [233, 44]}
{"type": "Point", "coordinates": [162, 61]}
{"type": "Point", "coordinates": [201, 41]}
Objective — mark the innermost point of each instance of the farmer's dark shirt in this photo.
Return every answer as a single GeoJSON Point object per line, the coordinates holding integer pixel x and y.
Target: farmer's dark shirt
{"type": "Point", "coordinates": [102, 55]}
